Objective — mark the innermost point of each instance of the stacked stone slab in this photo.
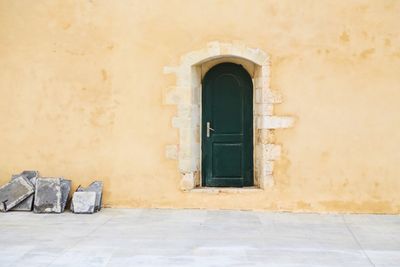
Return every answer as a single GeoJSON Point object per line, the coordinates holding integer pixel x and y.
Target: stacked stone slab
{"type": "Point", "coordinates": [48, 195]}
{"type": "Point", "coordinates": [14, 192]}
{"type": "Point", "coordinates": [97, 187]}
{"type": "Point", "coordinates": [27, 204]}
{"type": "Point", "coordinates": [65, 189]}
{"type": "Point", "coordinates": [82, 200]}
{"type": "Point", "coordinates": [51, 195]}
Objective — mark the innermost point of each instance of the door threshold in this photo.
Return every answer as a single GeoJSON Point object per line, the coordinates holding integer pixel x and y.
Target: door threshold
{"type": "Point", "coordinates": [216, 190]}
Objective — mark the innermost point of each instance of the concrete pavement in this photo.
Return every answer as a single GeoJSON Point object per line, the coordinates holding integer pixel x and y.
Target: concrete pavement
{"type": "Point", "coordinates": [155, 237]}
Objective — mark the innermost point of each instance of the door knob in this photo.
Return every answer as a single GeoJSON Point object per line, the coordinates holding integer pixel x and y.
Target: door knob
{"type": "Point", "coordinates": [208, 129]}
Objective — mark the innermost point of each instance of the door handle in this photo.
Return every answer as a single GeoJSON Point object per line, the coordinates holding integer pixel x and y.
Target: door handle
{"type": "Point", "coordinates": [209, 129]}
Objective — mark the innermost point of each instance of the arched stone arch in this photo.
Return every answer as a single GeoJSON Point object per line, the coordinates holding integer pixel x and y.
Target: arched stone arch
{"type": "Point", "coordinates": [186, 96]}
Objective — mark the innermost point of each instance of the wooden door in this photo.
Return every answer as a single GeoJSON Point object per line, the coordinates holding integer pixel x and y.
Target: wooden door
{"type": "Point", "coordinates": [227, 127]}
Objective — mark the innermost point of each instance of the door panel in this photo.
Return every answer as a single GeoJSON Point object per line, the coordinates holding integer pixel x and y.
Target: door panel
{"type": "Point", "coordinates": [227, 160]}
{"type": "Point", "coordinates": [227, 107]}
{"type": "Point", "coordinates": [227, 111]}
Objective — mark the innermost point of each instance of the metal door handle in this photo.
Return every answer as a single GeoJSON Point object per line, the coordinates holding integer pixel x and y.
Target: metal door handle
{"type": "Point", "coordinates": [208, 129]}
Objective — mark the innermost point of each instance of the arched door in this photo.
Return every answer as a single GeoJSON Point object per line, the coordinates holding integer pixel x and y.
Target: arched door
{"type": "Point", "coordinates": [227, 127]}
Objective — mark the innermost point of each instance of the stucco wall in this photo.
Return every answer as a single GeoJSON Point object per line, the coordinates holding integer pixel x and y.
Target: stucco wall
{"type": "Point", "coordinates": [82, 87]}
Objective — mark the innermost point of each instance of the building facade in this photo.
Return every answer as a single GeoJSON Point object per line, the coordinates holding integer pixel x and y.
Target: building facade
{"type": "Point", "coordinates": [260, 105]}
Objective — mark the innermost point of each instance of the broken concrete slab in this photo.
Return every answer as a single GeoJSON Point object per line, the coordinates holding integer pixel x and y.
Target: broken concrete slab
{"type": "Point", "coordinates": [27, 204]}
{"type": "Point", "coordinates": [14, 192]}
{"type": "Point", "coordinates": [84, 202]}
{"type": "Point", "coordinates": [97, 187]}
{"type": "Point", "coordinates": [65, 189]}
{"type": "Point", "coordinates": [48, 195]}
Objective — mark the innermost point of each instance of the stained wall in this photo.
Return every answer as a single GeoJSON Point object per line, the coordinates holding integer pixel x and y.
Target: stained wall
{"type": "Point", "coordinates": [82, 86]}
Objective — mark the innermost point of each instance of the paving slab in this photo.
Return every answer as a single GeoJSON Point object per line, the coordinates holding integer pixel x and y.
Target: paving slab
{"type": "Point", "coordinates": [84, 202]}
{"type": "Point", "coordinates": [48, 195]}
{"type": "Point", "coordinates": [14, 192]}
{"type": "Point", "coordinates": [162, 237]}
{"type": "Point", "coordinates": [27, 204]}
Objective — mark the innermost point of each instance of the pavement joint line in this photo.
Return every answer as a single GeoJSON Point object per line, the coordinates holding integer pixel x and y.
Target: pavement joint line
{"type": "Point", "coordinates": [356, 239]}
{"type": "Point", "coordinates": [79, 240]}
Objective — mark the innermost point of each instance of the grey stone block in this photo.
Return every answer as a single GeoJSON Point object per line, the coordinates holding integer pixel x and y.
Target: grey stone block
{"type": "Point", "coordinates": [27, 204]}
{"type": "Point", "coordinates": [14, 192]}
{"type": "Point", "coordinates": [84, 202]}
{"type": "Point", "coordinates": [97, 187]}
{"type": "Point", "coordinates": [65, 189]}
{"type": "Point", "coordinates": [28, 175]}
{"type": "Point", "coordinates": [48, 195]}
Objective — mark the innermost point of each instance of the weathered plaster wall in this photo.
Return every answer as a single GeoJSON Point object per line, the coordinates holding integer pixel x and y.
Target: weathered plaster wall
{"type": "Point", "coordinates": [82, 87]}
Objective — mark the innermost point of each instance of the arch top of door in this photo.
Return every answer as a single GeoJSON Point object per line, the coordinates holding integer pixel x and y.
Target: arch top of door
{"type": "Point", "coordinates": [186, 96]}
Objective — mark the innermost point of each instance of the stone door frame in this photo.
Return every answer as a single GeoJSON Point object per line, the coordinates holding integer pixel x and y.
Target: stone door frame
{"type": "Point", "coordinates": [186, 95]}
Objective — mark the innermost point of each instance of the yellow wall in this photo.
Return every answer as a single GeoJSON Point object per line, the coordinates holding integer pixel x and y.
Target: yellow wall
{"type": "Point", "coordinates": [81, 86]}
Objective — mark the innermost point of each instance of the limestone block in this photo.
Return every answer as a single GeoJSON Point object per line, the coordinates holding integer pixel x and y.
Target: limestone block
{"type": "Point", "coordinates": [188, 181]}
{"type": "Point", "coordinates": [268, 96]}
{"type": "Point", "coordinates": [255, 55]}
{"type": "Point", "coordinates": [272, 97]}
{"type": "Point", "coordinates": [27, 204]}
{"type": "Point", "coordinates": [171, 96]}
{"type": "Point", "coordinates": [170, 69]}
{"type": "Point", "coordinates": [65, 189]}
{"type": "Point", "coordinates": [84, 202]}
{"type": "Point", "coordinates": [237, 51]}
{"type": "Point", "coordinates": [185, 111]}
{"type": "Point", "coordinates": [214, 48]}
{"type": "Point", "coordinates": [176, 122]}
{"type": "Point", "coordinates": [183, 76]}
{"type": "Point", "coordinates": [274, 122]}
{"type": "Point", "coordinates": [14, 192]}
{"type": "Point", "coordinates": [258, 95]}
{"type": "Point", "coordinates": [269, 151]}
{"type": "Point", "coordinates": [171, 152]}
{"type": "Point", "coordinates": [261, 82]}
{"type": "Point", "coordinates": [48, 195]}
{"type": "Point", "coordinates": [264, 109]}
{"type": "Point", "coordinates": [263, 71]}
{"type": "Point", "coordinates": [266, 181]}
{"type": "Point", "coordinates": [187, 164]}
{"type": "Point", "coordinates": [266, 168]}
{"type": "Point", "coordinates": [266, 136]}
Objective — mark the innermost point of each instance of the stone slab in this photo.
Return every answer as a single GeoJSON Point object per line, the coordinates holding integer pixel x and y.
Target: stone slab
{"type": "Point", "coordinates": [27, 204]}
{"type": "Point", "coordinates": [65, 189]}
{"type": "Point", "coordinates": [14, 192]}
{"type": "Point", "coordinates": [205, 238]}
{"type": "Point", "coordinates": [48, 195]}
{"type": "Point", "coordinates": [28, 175]}
{"type": "Point", "coordinates": [84, 202]}
{"type": "Point", "coordinates": [97, 187]}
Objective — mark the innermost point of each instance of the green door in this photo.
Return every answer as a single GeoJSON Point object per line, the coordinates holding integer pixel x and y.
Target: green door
{"type": "Point", "coordinates": [227, 127]}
